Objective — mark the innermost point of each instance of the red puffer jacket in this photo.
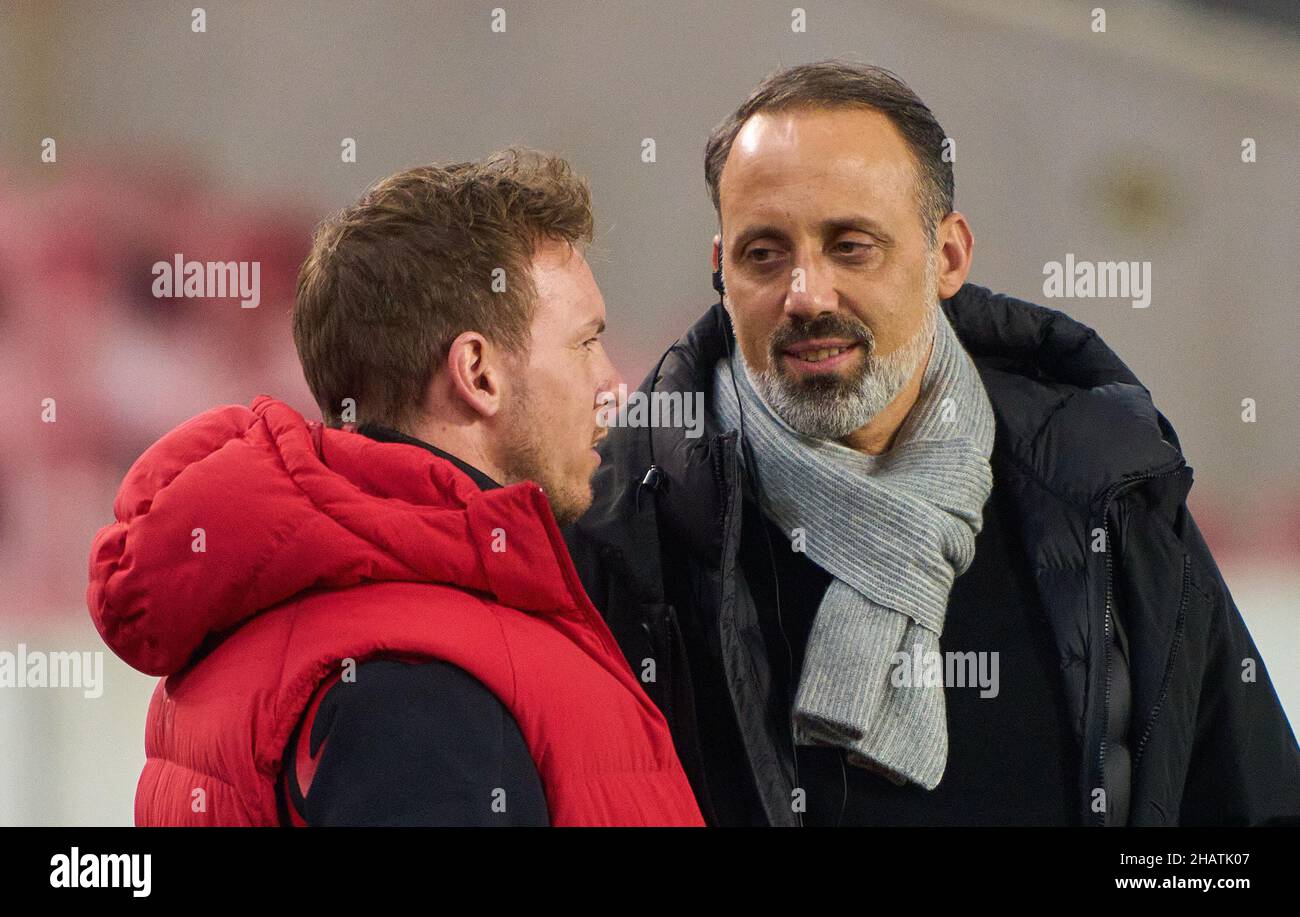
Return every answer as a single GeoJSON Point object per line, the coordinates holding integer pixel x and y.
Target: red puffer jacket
{"type": "Point", "coordinates": [255, 554]}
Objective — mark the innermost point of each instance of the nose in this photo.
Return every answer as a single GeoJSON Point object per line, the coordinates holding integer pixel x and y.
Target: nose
{"type": "Point", "coordinates": [812, 288]}
{"type": "Point", "coordinates": [613, 377]}
{"type": "Point", "coordinates": [610, 377]}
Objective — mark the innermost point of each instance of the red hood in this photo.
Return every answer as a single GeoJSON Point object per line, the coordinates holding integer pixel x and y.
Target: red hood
{"type": "Point", "coordinates": [284, 506]}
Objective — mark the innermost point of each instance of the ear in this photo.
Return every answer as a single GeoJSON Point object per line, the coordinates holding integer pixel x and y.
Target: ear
{"type": "Point", "coordinates": [716, 263]}
{"type": "Point", "coordinates": [956, 245]}
{"type": "Point", "coordinates": [475, 370]}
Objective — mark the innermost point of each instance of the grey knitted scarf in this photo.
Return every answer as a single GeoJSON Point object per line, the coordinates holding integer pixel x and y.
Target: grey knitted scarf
{"type": "Point", "coordinates": [894, 530]}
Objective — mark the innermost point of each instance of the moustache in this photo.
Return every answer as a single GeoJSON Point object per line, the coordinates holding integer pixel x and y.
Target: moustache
{"type": "Point", "coordinates": [824, 326]}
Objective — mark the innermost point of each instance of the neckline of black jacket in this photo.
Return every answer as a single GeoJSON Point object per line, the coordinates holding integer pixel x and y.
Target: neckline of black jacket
{"type": "Point", "coordinates": [1070, 414]}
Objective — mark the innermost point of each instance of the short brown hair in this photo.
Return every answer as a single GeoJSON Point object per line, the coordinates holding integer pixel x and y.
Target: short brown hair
{"type": "Point", "coordinates": [392, 280]}
{"type": "Point", "coordinates": [839, 84]}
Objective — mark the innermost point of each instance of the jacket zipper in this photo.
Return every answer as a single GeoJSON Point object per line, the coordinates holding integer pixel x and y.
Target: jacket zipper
{"type": "Point", "coordinates": [1113, 492]}
{"type": "Point", "coordinates": [1169, 669]}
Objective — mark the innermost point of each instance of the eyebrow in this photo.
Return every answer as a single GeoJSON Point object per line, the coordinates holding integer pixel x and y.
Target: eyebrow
{"type": "Point", "coordinates": [831, 224]}
{"type": "Point", "coordinates": [595, 324]}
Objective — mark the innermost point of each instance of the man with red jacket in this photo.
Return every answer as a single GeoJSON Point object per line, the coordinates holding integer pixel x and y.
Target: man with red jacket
{"type": "Point", "coordinates": [375, 620]}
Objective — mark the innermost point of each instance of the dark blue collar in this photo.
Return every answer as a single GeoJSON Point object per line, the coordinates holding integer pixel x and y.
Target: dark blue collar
{"type": "Point", "coordinates": [388, 435]}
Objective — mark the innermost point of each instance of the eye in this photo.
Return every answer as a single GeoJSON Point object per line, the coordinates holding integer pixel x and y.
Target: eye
{"type": "Point", "coordinates": [760, 255]}
{"type": "Point", "coordinates": [849, 247]}
{"type": "Point", "coordinates": [589, 342]}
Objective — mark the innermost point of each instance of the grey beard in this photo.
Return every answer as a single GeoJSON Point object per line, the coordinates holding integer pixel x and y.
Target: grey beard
{"type": "Point", "coordinates": [834, 415]}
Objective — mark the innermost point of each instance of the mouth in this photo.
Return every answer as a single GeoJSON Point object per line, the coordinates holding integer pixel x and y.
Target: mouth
{"type": "Point", "coordinates": [820, 355]}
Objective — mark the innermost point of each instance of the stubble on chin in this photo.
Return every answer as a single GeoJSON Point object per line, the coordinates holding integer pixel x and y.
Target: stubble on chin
{"type": "Point", "coordinates": [525, 457]}
{"type": "Point", "coordinates": [834, 407]}
{"type": "Point", "coordinates": [568, 507]}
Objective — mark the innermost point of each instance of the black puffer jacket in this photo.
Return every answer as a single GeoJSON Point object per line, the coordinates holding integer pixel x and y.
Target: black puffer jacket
{"type": "Point", "coordinates": [1145, 646]}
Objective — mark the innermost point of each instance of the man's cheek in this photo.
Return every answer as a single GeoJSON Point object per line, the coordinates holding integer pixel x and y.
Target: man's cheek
{"type": "Point", "coordinates": [758, 351]}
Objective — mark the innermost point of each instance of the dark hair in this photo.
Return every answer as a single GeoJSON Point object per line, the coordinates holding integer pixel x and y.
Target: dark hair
{"type": "Point", "coordinates": [836, 84]}
{"type": "Point", "coordinates": [392, 280]}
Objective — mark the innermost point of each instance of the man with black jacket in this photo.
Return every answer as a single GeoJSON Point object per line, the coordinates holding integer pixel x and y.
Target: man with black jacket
{"type": "Point", "coordinates": [931, 562]}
